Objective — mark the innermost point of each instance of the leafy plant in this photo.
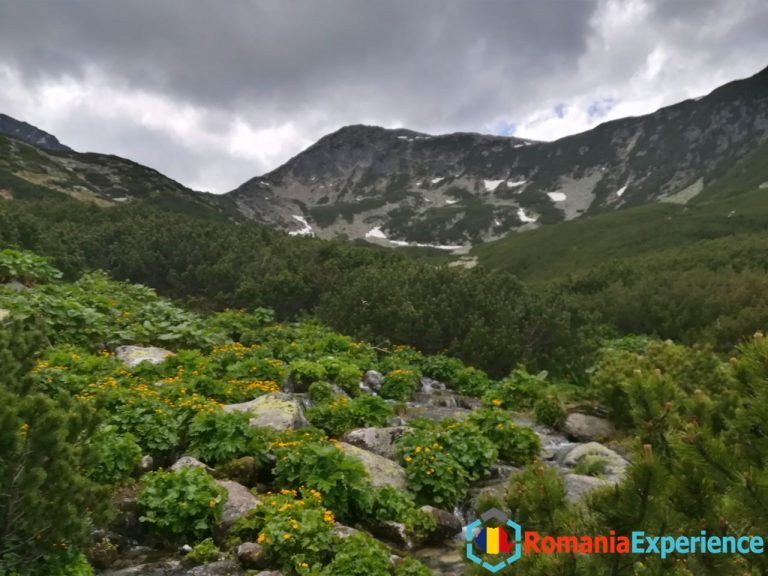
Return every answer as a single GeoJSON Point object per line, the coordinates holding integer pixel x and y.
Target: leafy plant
{"type": "Point", "coordinates": [549, 410]}
{"type": "Point", "coordinates": [218, 436]}
{"type": "Point", "coordinates": [400, 384]}
{"type": "Point", "coordinates": [411, 567]}
{"type": "Point", "coordinates": [321, 392]}
{"type": "Point", "coordinates": [471, 381]}
{"type": "Point", "coordinates": [26, 267]}
{"type": "Point", "coordinates": [204, 552]}
{"type": "Point", "coordinates": [515, 444]}
{"type": "Point", "coordinates": [182, 503]}
{"type": "Point", "coordinates": [342, 480]}
{"type": "Point", "coordinates": [113, 456]}
{"type": "Point", "coordinates": [358, 555]}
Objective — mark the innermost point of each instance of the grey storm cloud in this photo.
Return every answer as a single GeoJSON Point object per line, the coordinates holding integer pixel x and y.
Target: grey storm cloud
{"type": "Point", "coordinates": [215, 92]}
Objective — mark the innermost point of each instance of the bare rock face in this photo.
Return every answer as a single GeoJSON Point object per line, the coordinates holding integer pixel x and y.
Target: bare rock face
{"type": "Point", "coordinates": [382, 471]}
{"type": "Point", "coordinates": [239, 502]}
{"type": "Point", "coordinates": [586, 428]}
{"type": "Point", "coordinates": [190, 462]}
{"type": "Point", "coordinates": [132, 356]}
{"type": "Point", "coordinates": [380, 441]}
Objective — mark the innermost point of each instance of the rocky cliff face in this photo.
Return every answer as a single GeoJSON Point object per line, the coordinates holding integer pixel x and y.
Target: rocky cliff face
{"type": "Point", "coordinates": [397, 187]}
{"type": "Point", "coordinates": [30, 134]}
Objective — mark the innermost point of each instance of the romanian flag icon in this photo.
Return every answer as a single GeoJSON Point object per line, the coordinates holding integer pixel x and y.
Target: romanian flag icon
{"type": "Point", "coordinates": [494, 541]}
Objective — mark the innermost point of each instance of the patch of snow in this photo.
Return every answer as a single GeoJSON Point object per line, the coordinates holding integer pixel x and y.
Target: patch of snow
{"type": "Point", "coordinates": [265, 184]}
{"type": "Point", "coordinates": [763, 186]}
{"type": "Point", "coordinates": [515, 183]}
{"type": "Point", "coordinates": [408, 138]}
{"type": "Point", "coordinates": [422, 245]}
{"type": "Point", "coordinates": [621, 190]}
{"type": "Point", "coordinates": [376, 233]}
{"type": "Point", "coordinates": [438, 180]}
{"type": "Point", "coordinates": [518, 145]}
{"type": "Point", "coordinates": [266, 197]}
{"type": "Point", "coordinates": [449, 202]}
{"type": "Point", "coordinates": [123, 199]}
{"type": "Point", "coordinates": [496, 222]}
{"type": "Point", "coordinates": [524, 218]}
{"type": "Point", "coordinates": [491, 185]}
{"type": "Point", "coordinates": [557, 196]}
{"type": "Point", "coordinates": [305, 231]}
{"type": "Point", "coordinates": [426, 199]}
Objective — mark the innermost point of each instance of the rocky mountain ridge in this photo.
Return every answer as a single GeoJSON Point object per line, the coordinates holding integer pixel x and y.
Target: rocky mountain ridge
{"type": "Point", "coordinates": [30, 134]}
{"type": "Point", "coordinates": [398, 187]}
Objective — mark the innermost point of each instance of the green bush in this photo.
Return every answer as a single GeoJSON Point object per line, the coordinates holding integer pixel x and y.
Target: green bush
{"type": "Point", "coordinates": [204, 552]}
{"type": "Point", "coordinates": [342, 480]}
{"type": "Point", "coordinates": [344, 374]}
{"type": "Point", "coordinates": [321, 392]}
{"type": "Point", "coordinates": [398, 506]}
{"type": "Point", "coordinates": [549, 410]}
{"type": "Point", "coordinates": [185, 503]}
{"type": "Point", "coordinates": [341, 415]}
{"type": "Point", "coordinates": [400, 384]}
{"type": "Point", "coordinates": [471, 382]}
{"type": "Point", "coordinates": [516, 445]}
{"type": "Point", "coordinates": [217, 437]}
{"type": "Point", "coordinates": [518, 391]}
{"type": "Point", "coordinates": [441, 368]}
{"type": "Point", "coordinates": [536, 498]}
{"type": "Point", "coordinates": [114, 456]}
{"type": "Point", "coordinates": [469, 447]}
{"type": "Point", "coordinates": [25, 267]}
{"type": "Point", "coordinates": [359, 555]}
{"type": "Point", "coordinates": [411, 567]}
{"type": "Point", "coordinates": [306, 372]}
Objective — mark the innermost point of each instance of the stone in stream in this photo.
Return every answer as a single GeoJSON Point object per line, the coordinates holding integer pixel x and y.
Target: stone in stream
{"type": "Point", "coordinates": [614, 465]}
{"type": "Point", "coordinates": [382, 471]}
{"type": "Point", "coordinates": [190, 462]}
{"type": "Point", "coordinates": [447, 525]}
{"type": "Point", "coordinates": [586, 428]}
{"type": "Point", "coordinates": [278, 410]}
{"type": "Point", "coordinates": [132, 356]}
{"type": "Point", "coordinates": [373, 380]}
{"type": "Point", "coordinates": [380, 441]}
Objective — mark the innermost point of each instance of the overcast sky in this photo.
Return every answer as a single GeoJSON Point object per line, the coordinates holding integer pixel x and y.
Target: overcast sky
{"type": "Point", "coordinates": [215, 92]}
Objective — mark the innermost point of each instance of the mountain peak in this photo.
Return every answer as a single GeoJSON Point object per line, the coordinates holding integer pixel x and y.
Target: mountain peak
{"type": "Point", "coordinates": [30, 134]}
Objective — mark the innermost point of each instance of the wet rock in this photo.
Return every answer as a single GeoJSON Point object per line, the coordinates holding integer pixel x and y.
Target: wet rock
{"type": "Point", "coordinates": [381, 471]}
{"type": "Point", "coordinates": [102, 553]}
{"type": "Point", "coordinates": [279, 411]}
{"type": "Point", "coordinates": [577, 486]}
{"type": "Point", "coordinates": [239, 502]}
{"type": "Point", "coordinates": [430, 386]}
{"type": "Point", "coordinates": [132, 356]}
{"type": "Point", "coordinates": [447, 525]}
{"type": "Point", "coordinates": [146, 464]}
{"type": "Point", "coordinates": [190, 462]}
{"type": "Point", "coordinates": [218, 568]}
{"type": "Point", "coordinates": [380, 441]}
{"type": "Point", "coordinates": [435, 413]}
{"type": "Point", "coordinates": [393, 532]}
{"type": "Point", "coordinates": [125, 512]}
{"type": "Point", "coordinates": [251, 555]}
{"type": "Point", "coordinates": [585, 428]}
{"type": "Point", "coordinates": [613, 465]}
{"type": "Point", "coordinates": [269, 573]}
{"type": "Point", "coordinates": [342, 531]}
{"type": "Point", "coordinates": [443, 561]}
{"type": "Point", "coordinates": [373, 380]}
{"type": "Point", "coordinates": [168, 567]}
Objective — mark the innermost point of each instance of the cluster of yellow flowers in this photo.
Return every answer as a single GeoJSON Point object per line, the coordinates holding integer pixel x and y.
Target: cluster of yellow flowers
{"type": "Point", "coordinates": [328, 517]}
{"type": "Point", "coordinates": [236, 348]}
{"type": "Point", "coordinates": [496, 402]}
{"type": "Point", "coordinates": [427, 452]}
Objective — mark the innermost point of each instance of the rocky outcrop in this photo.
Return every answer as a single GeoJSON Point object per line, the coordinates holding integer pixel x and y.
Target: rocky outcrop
{"type": "Point", "coordinates": [190, 462]}
{"type": "Point", "coordinates": [279, 411]}
{"type": "Point", "coordinates": [380, 441]}
{"type": "Point", "coordinates": [382, 471]}
{"type": "Point", "coordinates": [251, 555]}
{"type": "Point", "coordinates": [586, 428]}
{"type": "Point", "coordinates": [132, 356]}
{"type": "Point", "coordinates": [239, 502]}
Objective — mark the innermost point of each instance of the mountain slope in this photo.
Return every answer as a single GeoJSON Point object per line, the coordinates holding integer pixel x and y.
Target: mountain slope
{"type": "Point", "coordinates": [28, 171]}
{"type": "Point", "coordinates": [30, 134]}
{"type": "Point", "coordinates": [733, 206]}
{"type": "Point", "coordinates": [384, 185]}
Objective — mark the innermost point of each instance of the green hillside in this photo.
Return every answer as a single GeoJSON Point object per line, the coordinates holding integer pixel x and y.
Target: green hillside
{"type": "Point", "coordinates": [732, 206]}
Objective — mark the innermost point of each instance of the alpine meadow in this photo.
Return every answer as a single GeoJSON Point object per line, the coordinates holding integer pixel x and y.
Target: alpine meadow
{"type": "Point", "coordinates": [388, 344]}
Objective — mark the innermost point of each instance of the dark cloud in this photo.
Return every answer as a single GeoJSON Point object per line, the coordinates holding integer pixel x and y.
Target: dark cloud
{"type": "Point", "coordinates": [196, 82]}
